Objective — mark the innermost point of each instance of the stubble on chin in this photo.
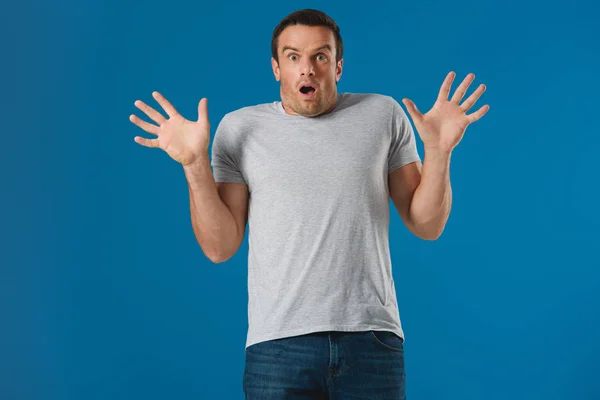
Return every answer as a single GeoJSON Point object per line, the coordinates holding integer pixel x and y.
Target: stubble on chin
{"type": "Point", "coordinates": [312, 109]}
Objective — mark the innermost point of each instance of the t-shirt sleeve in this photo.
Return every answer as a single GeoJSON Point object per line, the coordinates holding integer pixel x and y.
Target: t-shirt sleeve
{"type": "Point", "coordinates": [226, 155]}
{"type": "Point", "coordinates": [403, 145]}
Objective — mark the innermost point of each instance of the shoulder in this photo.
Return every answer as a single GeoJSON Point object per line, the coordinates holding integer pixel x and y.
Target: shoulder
{"type": "Point", "coordinates": [371, 99]}
{"type": "Point", "coordinates": [250, 113]}
{"type": "Point", "coordinates": [237, 125]}
{"type": "Point", "coordinates": [374, 102]}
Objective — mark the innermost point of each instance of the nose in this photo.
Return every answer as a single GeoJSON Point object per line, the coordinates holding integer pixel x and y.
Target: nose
{"type": "Point", "coordinates": [307, 69]}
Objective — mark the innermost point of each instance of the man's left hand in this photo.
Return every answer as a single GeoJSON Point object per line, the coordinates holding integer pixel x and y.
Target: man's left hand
{"type": "Point", "coordinates": [443, 127]}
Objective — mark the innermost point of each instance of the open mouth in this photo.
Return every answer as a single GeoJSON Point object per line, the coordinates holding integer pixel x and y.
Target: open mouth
{"type": "Point", "coordinates": [307, 89]}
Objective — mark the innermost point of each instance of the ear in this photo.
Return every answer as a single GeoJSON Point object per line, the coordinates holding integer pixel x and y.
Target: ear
{"type": "Point", "coordinates": [275, 67]}
{"type": "Point", "coordinates": [338, 70]}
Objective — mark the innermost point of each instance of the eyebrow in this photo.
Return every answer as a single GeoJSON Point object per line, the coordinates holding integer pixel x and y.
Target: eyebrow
{"type": "Point", "coordinates": [324, 47]}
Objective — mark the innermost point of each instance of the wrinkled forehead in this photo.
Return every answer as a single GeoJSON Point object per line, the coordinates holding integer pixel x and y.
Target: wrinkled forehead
{"type": "Point", "coordinates": [306, 39]}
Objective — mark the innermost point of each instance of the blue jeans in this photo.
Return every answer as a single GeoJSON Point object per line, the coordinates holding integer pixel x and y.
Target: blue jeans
{"type": "Point", "coordinates": [327, 365]}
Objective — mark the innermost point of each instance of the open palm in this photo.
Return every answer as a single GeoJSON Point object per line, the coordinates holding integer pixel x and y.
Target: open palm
{"type": "Point", "coordinates": [443, 127]}
{"type": "Point", "coordinates": [183, 140]}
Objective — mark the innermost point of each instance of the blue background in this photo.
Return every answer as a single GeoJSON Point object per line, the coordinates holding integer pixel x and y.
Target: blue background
{"type": "Point", "coordinates": [104, 292]}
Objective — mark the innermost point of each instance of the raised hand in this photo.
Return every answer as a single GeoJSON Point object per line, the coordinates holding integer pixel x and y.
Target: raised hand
{"type": "Point", "coordinates": [184, 141]}
{"type": "Point", "coordinates": [443, 127]}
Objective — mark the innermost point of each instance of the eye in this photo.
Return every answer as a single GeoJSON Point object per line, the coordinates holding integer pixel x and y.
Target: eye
{"type": "Point", "coordinates": [292, 57]}
{"type": "Point", "coordinates": [321, 57]}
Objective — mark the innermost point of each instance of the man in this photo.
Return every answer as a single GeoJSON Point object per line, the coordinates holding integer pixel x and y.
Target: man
{"type": "Point", "coordinates": [312, 175]}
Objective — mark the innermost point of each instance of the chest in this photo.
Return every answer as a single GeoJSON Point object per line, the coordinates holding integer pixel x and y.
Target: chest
{"type": "Point", "coordinates": [316, 155]}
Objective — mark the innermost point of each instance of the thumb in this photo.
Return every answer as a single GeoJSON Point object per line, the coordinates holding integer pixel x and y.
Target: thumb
{"type": "Point", "coordinates": [412, 109]}
{"type": "Point", "coordinates": [203, 109]}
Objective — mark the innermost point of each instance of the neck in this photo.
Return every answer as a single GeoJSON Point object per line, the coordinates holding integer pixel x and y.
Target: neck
{"type": "Point", "coordinates": [290, 111]}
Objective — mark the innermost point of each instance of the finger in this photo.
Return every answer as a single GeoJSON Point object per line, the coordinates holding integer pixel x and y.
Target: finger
{"type": "Point", "coordinates": [478, 114]}
{"type": "Point", "coordinates": [165, 104]}
{"type": "Point", "coordinates": [203, 109]}
{"type": "Point", "coordinates": [468, 103]}
{"type": "Point", "coordinates": [151, 112]}
{"type": "Point", "coordinates": [462, 88]}
{"type": "Point", "coordinates": [148, 127]}
{"type": "Point", "coordinates": [152, 143]}
{"type": "Point", "coordinates": [445, 89]}
{"type": "Point", "coordinates": [412, 109]}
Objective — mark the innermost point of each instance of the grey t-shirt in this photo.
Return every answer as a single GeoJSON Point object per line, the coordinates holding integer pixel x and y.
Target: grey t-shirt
{"type": "Point", "coordinates": [318, 217]}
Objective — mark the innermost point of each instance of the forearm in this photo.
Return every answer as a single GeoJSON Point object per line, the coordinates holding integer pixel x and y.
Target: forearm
{"type": "Point", "coordinates": [432, 200]}
{"type": "Point", "coordinates": [212, 221]}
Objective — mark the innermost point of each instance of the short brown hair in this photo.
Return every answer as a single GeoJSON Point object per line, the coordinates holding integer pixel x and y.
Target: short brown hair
{"type": "Point", "coordinates": [308, 17]}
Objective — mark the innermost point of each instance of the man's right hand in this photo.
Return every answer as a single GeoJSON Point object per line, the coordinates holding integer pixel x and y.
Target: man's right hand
{"type": "Point", "coordinates": [184, 141]}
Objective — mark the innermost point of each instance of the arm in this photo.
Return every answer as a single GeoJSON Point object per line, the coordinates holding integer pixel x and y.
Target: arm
{"type": "Point", "coordinates": [424, 200]}
{"type": "Point", "coordinates": [422, 195]}
{"type": "Point", "coordinates": [218, 211]}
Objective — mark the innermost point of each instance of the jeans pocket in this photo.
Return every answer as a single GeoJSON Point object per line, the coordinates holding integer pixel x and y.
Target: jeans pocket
{"type": "Point", "coordinates": [388, 339]}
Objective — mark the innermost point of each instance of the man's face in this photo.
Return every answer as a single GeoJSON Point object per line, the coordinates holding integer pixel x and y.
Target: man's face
{"type": "Point", "coordinates": [307, 58]}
